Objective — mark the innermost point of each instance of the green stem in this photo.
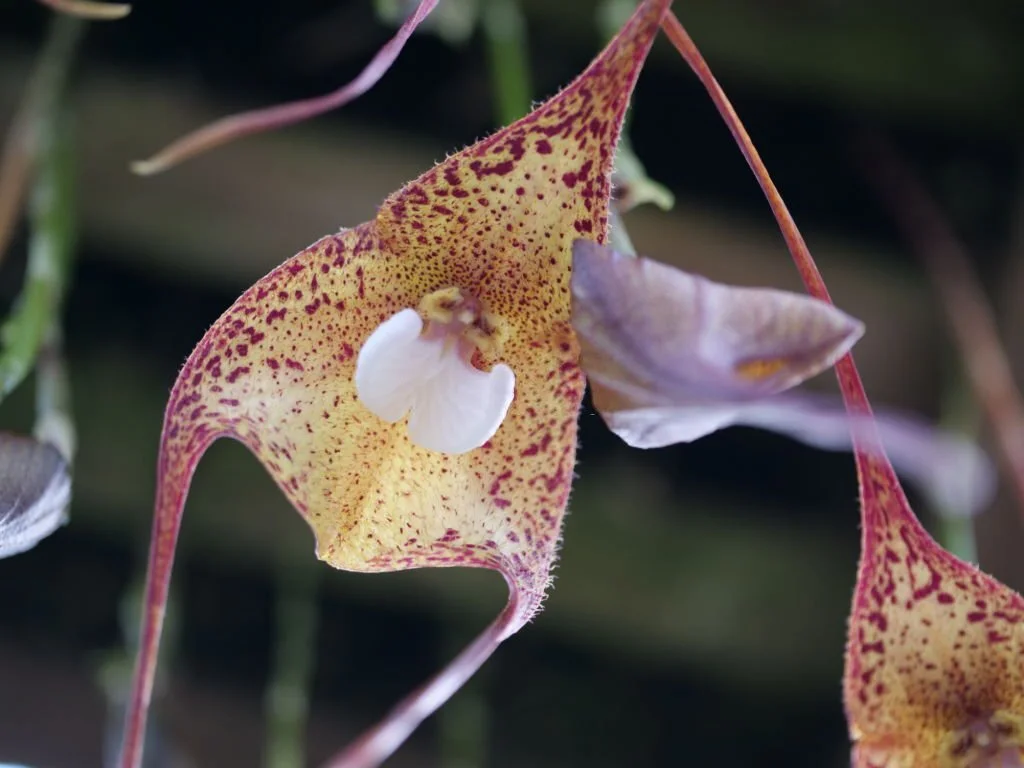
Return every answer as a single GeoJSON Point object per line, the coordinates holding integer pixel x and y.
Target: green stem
{"type": "Point", "coordinates": [287, 695]}
{"type": "Point", "coordinates": [463, 722]}
{"type": "Point", "coordinates": [38, 306]}
{"type": "Point", "coordinates": [959, 414]}
{"type": "Point", "coordinates": [505, 30]}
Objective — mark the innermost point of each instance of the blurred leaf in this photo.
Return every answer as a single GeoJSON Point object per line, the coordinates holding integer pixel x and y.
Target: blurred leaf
{"type": "Point", "coordinates": [86, 9]}
{"type": "Point", "coordinates": [37, 309]}
{"type": "Point", "coordinates": [633, 186]}
{"type": "Point", "coordinates": [33, 121]}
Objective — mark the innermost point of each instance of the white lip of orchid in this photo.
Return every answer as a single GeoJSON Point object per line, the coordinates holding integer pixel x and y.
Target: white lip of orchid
{"type": "Point", "coordinates": [453, 406]}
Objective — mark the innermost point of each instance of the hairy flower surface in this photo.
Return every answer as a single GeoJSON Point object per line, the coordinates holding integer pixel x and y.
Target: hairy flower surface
{"type": "Point", "coordinates": [412, 384]}
{"type": "Point", "coordinates": [935, 660]}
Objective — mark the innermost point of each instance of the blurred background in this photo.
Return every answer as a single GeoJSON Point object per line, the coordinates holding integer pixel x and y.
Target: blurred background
{"type": "Point", "coordinates": [698, 613]}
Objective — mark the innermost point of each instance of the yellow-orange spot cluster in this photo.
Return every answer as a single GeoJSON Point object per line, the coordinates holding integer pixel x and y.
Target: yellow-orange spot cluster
{"type": "Point", "coordinates": [756, 370]}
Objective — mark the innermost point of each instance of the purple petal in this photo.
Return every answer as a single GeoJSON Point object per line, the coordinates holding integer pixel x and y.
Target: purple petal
{"type": "Point", "coordinates": [654, 336]}
{"type": "Point", "coordinates": [956, 475]}
{"type": "Point", "coordinates": [953, 472]}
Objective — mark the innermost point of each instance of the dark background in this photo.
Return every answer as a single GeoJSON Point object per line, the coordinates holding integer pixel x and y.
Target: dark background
{"type": "Point", "coordinates": [698, 612]}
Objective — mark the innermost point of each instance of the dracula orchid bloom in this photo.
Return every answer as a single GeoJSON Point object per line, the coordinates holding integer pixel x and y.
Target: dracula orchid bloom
{"type": "Point", "coordinates": [413, 383]}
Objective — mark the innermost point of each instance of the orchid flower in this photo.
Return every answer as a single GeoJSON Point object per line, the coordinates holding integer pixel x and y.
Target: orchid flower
{"type": "Point", "coordinates": [934, 672]}
{"type": "Point", "coordinates": [413, 383]}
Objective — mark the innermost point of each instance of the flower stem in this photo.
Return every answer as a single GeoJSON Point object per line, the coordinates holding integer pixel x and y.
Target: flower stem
{"type": "Point", "coordinates": [463, 723]}
{"type": "Point", "coordinates": [505, 30]}
{"type": "Point", "coordinates": [959, 415]}
{"type": "Point", "coordinates": [287, 695]}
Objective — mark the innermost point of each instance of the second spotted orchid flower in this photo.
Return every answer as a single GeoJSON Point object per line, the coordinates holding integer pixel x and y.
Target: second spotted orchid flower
{"type": "Point", "coordinates": [413, 383]}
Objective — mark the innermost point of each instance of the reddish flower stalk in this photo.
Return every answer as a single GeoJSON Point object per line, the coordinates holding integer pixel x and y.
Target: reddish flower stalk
{"type": "Point", "coordinates": [228, 129]}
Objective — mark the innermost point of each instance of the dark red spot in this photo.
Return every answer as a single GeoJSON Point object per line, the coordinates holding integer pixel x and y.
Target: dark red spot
{"type": "Point", "coordinates": [878, 620]}
{"type": "Point", "coordinates": [241, 370]}
{"type": "Point", "coordinates": [496, 485]}
{"type": "Point", "coordinates": [496, 169]}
